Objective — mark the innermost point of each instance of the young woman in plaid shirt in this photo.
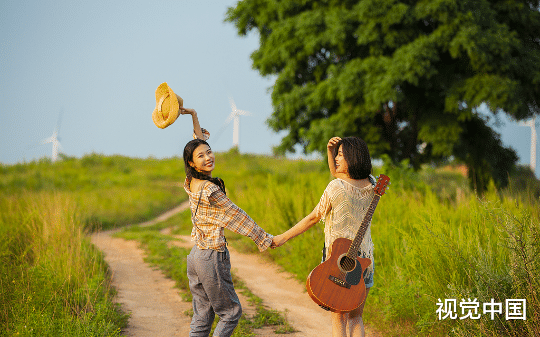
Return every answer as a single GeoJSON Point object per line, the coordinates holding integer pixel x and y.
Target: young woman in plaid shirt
{"type": "Point", "coordinates": [208, 264]}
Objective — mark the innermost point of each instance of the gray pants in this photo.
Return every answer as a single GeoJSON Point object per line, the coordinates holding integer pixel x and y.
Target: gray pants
{"type": "Point", "coordinates": [210, 282]}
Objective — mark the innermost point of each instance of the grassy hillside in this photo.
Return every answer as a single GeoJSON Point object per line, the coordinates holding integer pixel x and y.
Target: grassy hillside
{"type": "Point", "coordinates": [112, 190]}
{"type": "Point", "coordinates": [53, 282]}
{"type": "Point", "coordinates": [434, 239]}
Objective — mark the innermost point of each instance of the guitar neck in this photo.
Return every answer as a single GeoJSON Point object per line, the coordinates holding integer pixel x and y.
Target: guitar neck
{"type": "Point", "coordinates": [355, 245]}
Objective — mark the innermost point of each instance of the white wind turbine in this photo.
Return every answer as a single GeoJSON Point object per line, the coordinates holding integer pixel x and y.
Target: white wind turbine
{"type": "Point", "coordinates": [235, 115]}
{"type": "Point", "coordinates": [55, 140]}
{"type": "Point", "coordinates": [531, 123]}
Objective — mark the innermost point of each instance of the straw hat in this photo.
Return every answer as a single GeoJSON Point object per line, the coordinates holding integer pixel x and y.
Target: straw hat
{"type": "Point", "coordinates": [167, 106]}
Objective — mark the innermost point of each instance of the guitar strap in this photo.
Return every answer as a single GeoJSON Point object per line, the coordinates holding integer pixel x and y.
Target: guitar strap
{"type": "Point", "coordinates": [198, 203]}
{"type": "Point", "coordinates": [196, 209]}
{"type": "Point", "coordinates": [200, 196]}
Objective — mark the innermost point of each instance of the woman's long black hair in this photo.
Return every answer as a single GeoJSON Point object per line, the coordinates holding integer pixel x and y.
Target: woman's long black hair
{"type": "Point", "coordinates": [191, 172]}
{"type": "Point", "coordinates": [356, 154]}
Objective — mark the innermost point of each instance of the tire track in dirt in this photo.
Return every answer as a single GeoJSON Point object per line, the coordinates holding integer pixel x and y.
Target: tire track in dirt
{"type": "Point", "coordinates": [154, 303]}
{"type": "Point", "coordinates": [156, 307]}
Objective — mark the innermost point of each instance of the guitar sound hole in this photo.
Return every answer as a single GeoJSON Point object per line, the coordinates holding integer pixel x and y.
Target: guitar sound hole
{"type": "Point", "coordinates": [347, 264]}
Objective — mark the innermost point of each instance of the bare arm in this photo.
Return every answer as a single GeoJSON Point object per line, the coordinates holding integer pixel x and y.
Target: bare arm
{"type": "Point", "coordinates": [196, 126]}
{"type": "Point", "coordinates": [330, 151]}
{"type": "Point", "coordinates": [302, 226]}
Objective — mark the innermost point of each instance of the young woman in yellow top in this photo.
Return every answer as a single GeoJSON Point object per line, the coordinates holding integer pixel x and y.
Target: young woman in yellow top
{"type": "Point", "coordinates": [342, 206]}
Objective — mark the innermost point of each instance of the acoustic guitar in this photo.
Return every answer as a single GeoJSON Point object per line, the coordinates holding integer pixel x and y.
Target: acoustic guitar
{"type": "Point", "coordinates": [338, 284]}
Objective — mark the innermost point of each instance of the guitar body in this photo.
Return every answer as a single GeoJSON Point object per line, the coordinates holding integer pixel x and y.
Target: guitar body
{"type": "Point", "coordinates": [338, 283]}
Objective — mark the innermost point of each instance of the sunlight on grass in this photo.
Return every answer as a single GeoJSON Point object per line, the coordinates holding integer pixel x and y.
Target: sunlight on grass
{"type": "Point", "coordinates": [434, 238]}
{"type": "Point", "coordinates": [54, 282]}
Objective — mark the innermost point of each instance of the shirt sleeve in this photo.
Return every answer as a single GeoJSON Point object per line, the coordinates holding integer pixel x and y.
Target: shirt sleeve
{"type": "Point", "coordinates": [236, 220]}
{"type": "Point", "coordinates": [325, 205]}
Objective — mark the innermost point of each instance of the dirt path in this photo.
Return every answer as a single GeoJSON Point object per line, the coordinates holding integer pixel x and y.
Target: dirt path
{"type": "Point", "coordinates": [157, 309]}
{"type": "Point", "coordinates": [155, 306]}
{"type": "Point", "coordinates": [278, 290]}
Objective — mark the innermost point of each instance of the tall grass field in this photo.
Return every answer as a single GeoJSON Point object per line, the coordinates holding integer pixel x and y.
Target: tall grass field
{"type": "Point", "coordinates": [53, 281]}
{"type": "Point", "coordinates": [436, 241]}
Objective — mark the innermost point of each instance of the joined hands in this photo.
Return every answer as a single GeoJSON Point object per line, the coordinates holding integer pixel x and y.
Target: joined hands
{"type": "Point", "coordinates": [278, 241]}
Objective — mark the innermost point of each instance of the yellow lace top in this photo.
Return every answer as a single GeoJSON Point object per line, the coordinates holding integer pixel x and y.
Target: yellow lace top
{"type": "Point", "coordinates": [342, 208]}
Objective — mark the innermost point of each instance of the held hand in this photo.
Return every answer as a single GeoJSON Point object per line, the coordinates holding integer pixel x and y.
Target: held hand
{"type": "Point", "coordinates": [277, 241]}
{"type": "Point", "coordinates": [186, 111]}
{"type": "Point", "coordinates": [332, 144]}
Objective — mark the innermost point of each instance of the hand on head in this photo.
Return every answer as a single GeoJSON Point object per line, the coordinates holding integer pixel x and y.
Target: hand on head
{"type": "Point", "coordinates": [332, 143]}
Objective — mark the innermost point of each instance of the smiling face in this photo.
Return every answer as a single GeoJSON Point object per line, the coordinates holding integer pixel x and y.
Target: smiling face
{"type": "Point", "coordinates": [203, 159]}
{"type": "Point", "coordinates": [341, 163]}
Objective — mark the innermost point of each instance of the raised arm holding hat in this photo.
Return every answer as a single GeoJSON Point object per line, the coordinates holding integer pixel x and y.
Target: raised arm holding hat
{"type": "Point", "coordinates": [169, 105]}
{"type": "Point", "coordinates": [198, 132]}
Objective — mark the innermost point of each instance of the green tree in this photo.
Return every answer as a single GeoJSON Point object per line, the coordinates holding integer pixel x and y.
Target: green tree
{"type": "Point", "coordinates": [406, 76]}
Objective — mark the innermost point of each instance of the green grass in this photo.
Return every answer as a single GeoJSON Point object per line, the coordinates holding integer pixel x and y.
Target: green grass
{"type": "Point", "coordinates": [53, 282]}
{"type": "Point", "coordinates": [112, 190]}
{"type": "Point", "coordinates": [170, 259]}
{"type": "Point", "coordinates": [434, 238]}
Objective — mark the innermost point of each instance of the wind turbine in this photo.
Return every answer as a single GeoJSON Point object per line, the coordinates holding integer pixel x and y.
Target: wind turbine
{"type": "Point", "coordinates": [531, 123]}
{"type": "Point", "coordinates": [234, 116]}
{"type": "Point", "coordinates": [55, 140]}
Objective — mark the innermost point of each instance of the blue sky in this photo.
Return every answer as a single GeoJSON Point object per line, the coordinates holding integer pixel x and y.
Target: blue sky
{"type": "Point", "coordinates": [100, 62]}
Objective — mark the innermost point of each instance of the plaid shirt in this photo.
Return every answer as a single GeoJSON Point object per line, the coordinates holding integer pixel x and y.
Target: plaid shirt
{"type": "Point", "coordinates": [216, 212]}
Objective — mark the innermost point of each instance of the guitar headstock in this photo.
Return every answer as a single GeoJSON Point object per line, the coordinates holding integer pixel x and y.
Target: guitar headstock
{"type": "Point", "coordinates": [382, 183]}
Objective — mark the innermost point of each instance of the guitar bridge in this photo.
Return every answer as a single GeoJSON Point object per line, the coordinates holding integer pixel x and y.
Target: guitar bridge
{"type": "Point", "coordinates": [339, 282]}
{"type": "Point", "coordinates": [324, 307]}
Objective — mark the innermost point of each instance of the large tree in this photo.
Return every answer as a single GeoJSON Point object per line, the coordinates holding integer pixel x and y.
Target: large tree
{"type": "Point", "coordinates": [406, 76]}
